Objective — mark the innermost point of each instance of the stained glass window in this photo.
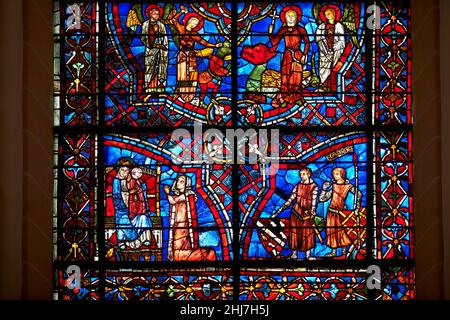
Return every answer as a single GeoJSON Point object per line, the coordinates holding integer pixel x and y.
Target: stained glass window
{"type": "Point", "coordinates": [233, 151]}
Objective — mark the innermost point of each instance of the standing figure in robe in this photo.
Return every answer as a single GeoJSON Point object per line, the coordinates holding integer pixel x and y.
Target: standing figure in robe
{"type": "Point", "coordinates": [154, 37]}
{"type": "Point", "coordinates": [336, 234]}
{"type": "Point", "coordinates": [183, 233]}
{"type": "Point", "coordinates": [301, 219]}
{"type": "Point", "coordinates": [293, 56]}
{"type": "Point", "coordinates": [331, 42]}
{"type": "Point", "coordinates": [187, 70]}
{"type": "Point", "coordinates": [138, 212]}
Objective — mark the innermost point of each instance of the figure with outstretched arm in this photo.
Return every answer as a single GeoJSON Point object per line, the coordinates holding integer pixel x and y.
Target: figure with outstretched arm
{"type": "Point", "coordinates": [187, 70]}
{"type": "Point", "coordinates": [301, 220]}
{"type": "Point", "coordinates": [293, 57]}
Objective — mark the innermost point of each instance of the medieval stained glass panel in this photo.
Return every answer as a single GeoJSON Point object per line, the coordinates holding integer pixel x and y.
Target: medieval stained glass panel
{"type": "Point", "coordinates": [149, 212]}
{"type": "Point", "coordinates": [271, 76]}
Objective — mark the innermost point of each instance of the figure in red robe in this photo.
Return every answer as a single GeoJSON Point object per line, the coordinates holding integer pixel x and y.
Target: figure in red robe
{"type": "Point", "coordinates": [187, 69]}
{"type": "Point", "coordinates": [136, 197]}
{"type": "Point", "coordinates": [183, 233]}
{"type": "Point", "coordinates": [293, 56]}
{"type": "Point", "coordinates": [301, 220]}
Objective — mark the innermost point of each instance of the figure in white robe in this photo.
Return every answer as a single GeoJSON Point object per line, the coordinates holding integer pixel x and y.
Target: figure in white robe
{"type": "Point", "coordinates": [331, 41]}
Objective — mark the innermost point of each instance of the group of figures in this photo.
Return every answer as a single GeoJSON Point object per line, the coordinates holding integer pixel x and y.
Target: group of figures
{"type": "Point", "coordinates": [329, 37]}
{"type": "Point", "coordinates": [171, 63]}
{"type": "Point", "coordinates": [302, 229]}
{"type": "Point", "coordinates": [134, 225]}
{"type": "Point", "coordinates": [154, 36]}
{"type": "Point", "coordinates": [133, 214]}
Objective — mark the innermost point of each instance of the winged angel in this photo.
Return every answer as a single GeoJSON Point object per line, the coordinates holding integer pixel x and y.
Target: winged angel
{"type": "Point", "coordinates": [155, 39]}
{"type": "Point", "coordinates": [330, 38]}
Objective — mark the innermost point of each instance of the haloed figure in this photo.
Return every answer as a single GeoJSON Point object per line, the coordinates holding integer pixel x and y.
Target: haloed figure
{"type": "Point", "coordinates": [336, 235]}
{"type": "Point", "coordinates": [187, 70]}
{"type": "Point", "coordinates": [183, 234]}
{"type": "Point", "coordinates": [301, 220]}
{"type": "Point", "coordinates": [331, 41]}
{"type": "Point", "coordinates": [293, 57]}
{"type": "Point", "coordinates": [154, 37]}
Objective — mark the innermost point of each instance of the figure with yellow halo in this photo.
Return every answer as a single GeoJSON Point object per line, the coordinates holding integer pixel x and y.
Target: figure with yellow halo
{"type": "Point", "coordinates": [334, 26]}
{"type": "Point", "coordinates": [154, 37]}
{"type": "Point", "coordinates": [187, 70]}
{"type": "Point", "coordinates": [331, 41]}
{"type": "Point", "coordinates": [294, 57]}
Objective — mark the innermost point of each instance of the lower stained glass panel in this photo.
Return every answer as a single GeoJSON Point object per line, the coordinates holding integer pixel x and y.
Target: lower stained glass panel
{"type": "Point", "coordinates": [158, 211]}
{"type": "Point", "coordinates": [314, 206]}
{"type": "Point", "coordinates": [303, 284]}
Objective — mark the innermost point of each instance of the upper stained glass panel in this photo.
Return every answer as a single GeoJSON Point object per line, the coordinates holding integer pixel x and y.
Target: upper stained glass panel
{"type": "Point", "coordinates": [168, 64]}
{"type": "Point", "coordinates": [302, 64]}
